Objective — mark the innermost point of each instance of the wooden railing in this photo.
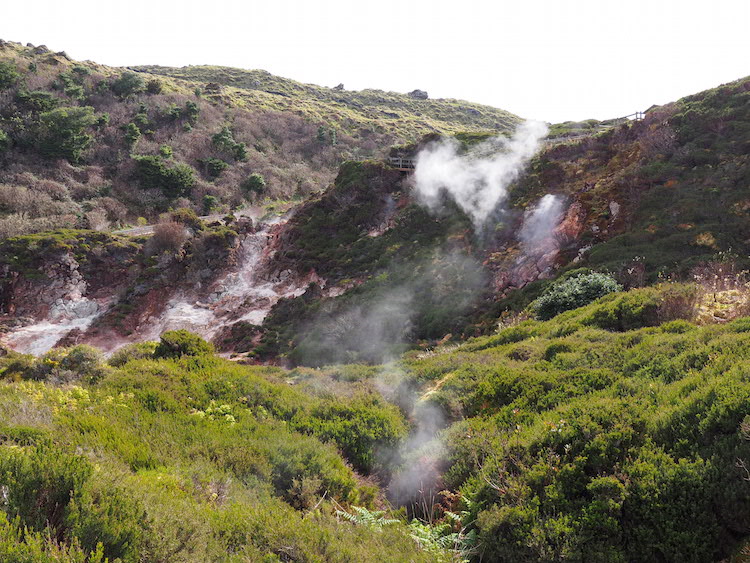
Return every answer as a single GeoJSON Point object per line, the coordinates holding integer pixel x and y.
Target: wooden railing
{"type": "Point", "coordinates": [403, 163]}
{"type": "Point", "coordinates": [603, 126]}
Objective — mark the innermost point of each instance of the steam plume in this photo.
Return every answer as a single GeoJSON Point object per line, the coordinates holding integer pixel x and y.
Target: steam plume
{"type": "Point", "coordinates": [478, 182]}
{"type": "Point", "coordinates": [539, 223]}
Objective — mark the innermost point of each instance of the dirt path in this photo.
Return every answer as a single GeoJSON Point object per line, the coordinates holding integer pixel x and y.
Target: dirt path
{"type": "Point", "coordinates": [252, 212]}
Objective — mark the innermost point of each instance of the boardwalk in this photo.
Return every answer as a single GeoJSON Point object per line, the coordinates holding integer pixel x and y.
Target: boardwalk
{"type": "Point", "coordinates": [600, 128]}
{"type": "Point", "coordinates": [405, 164]}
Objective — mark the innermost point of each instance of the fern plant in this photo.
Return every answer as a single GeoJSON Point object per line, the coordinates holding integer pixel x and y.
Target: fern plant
{"type": "Point", "coordinates": [371, 518]}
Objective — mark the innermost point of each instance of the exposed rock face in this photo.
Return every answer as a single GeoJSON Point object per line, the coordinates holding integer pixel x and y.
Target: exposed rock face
{"type": "Point", "coordinates": [517, 267]}
{"type": "Point", "coordinates": [57, 293]}
{"type": "Point", "coordinates": [418, 95]}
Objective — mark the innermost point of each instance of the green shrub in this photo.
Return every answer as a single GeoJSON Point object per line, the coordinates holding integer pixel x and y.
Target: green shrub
{"type": "Point", "coordinates": [224, 140]}
{"type": "Point", "coordinates": [37, 101]}
{"type": "Point", "coordinates": [41, 483]}
{"type": "Point", "coordinates": [104, 515]}
{"type": "Point", "coordinates": [154, 86]}
{"type": "Point", "coordinates": [187, 217]}
{"type": "Point", "coordinates": [210, 203]}
{"type": "Point", "coordinates": [213, 167]}
{"type": "Point", "coordinates": [132, 134]}
{"type": "Point", "coordinates": [8, 75]}
{"type": "Point", "coordinates": [137, 351]}
{"type": "Point", "coordinates": [5, 141]}
{"type": "Point", "coordinates": [174, 182]}
{"type": "Point", "coordinates": [191, 112]}
{"type": "Point", "coordinates": [255, 184]}
{"type": "Point", "coordinates": [627, 311]}
{"type": "Point", "coordinates": [572, 293]}
{"type": "Point", "coordinates": [63, 132]}
{"type": "Point", "coordinates": [178, 343]}
{"type": "Point", "coordinates": [127, 84]}
{"type": "Point", "coordinates": [64, 365]}
{"type": "Point", "coordinates": [21, 545]}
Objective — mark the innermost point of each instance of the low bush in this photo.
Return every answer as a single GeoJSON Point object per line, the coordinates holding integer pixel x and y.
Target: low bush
{"type": "Point", "coordinates": [572, 293]}
{"type": "Point", "coordinates": [63, 132]}
{"type": "Point", "coordinates": [178, 343]}
{"type": "Point", "coordinates": [137, 351]}
{"type": "Point", "coordinates": [169, 236]}
{"type": "Point", "coordinates": [128, 84]}
{"type": "Point", "coordinates": [152, 172]}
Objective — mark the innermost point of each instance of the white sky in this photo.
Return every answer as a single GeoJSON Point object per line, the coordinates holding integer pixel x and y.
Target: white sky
{"type": "Point", "coordinates": [553, 60]}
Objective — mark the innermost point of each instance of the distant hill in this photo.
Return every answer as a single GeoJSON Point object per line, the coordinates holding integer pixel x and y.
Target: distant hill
{"type": "Point", "coordinates": [399, 114]}
{"type": "Point", "coordinates": [83, 145]}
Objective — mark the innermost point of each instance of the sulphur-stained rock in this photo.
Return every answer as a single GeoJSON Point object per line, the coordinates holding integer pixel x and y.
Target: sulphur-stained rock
{"type": "Point", "coordinates": [572, 225]}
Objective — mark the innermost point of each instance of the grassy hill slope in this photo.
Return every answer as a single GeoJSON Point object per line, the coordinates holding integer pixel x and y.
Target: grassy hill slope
{"type": "Point", "coordinates": [388, 112]}
{"type": "Point", "coordinates": [83, 145]}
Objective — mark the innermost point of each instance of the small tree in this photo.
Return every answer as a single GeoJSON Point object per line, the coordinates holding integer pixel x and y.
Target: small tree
{"type": "Point", "coordinates": [178, 343]}
{"type": "Point", "coordinates": [4, 141]}
{"type": "Point", "coordinates": [63, 132]}
{"type": "Point", "coordinates": [224, 140]}
{"type": "Point", "coordinates": [152, 172]}
{"type": "Point", "coordinates": [213, 167]}
{"type": "Point", "coordinates": [127, 84]}
{"type": "Point", "coordinates": [255, 184]}
{"type": "Point", "coordinates": [132, 134]}
{"type": "Point", "coordinates": [209, 203]}
{"type": "Point", "coordinates": [8, 75]}
{"type": "Point", "coordinates": [191, 112]}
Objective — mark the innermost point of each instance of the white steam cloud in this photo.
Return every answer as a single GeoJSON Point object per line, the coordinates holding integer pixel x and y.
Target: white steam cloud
{"type": "Point", "coordinates": [539, 224]}
{"type": "Point", "coordinates": [477, 181]}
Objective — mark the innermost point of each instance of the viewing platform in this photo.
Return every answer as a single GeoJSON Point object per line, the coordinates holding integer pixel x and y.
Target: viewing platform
{"type": "Point", "coordinates": [403, 164]}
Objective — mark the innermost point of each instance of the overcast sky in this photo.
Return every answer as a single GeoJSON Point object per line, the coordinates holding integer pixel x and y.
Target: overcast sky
{"type": "Point", "coordinates": [553, 60]}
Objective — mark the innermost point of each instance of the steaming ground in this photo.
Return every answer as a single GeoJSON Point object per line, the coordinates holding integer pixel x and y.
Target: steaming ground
{"type": "Point", "coordinates": [477, 182]}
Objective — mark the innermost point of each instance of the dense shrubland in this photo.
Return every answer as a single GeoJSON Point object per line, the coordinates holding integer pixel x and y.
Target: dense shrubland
{"type": "Point", "coordinates": [618, 431]}
{"type": "Point", "coordinates": [609, 433]}
{"type": "Point", "coordinates": [123, 144]}
{"type": "Point", "coordinates": [183, 456]}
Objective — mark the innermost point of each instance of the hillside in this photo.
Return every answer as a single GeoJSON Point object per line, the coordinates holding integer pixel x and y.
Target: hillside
{"type": "Point", "coordinates": [537, 350]}
{"type": "Point", "coordinates": [83, 145]}
{"type": "Point", "coordinates": [405, 116]}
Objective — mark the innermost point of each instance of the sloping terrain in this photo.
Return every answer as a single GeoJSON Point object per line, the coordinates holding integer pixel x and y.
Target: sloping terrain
{"type": "Point", "coordinates": [83, 145]}
{"type": "Point", "coordinates": [580, 394]}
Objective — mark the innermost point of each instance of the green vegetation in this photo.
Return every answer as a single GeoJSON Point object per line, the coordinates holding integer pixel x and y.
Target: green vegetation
{"type": "Point", "coordinates": [573, 292]}
{"type": "Point", "coordinates": [255, 184]}
{"type": "Point", "coordinates": [224, 140]}
{"type": "Point", "coordinates": [8, 75]}
{"type": "Point", "coordinates": [63, 132]}
{"type": "Point", "coordinates": [581, 439]}
{"type": "Point", "coordinates": [178, 343]}
{"type": "Point", "coordinates": [375, 110]}
{"type": "Point", "coordinates": [174, 181]}
{"type": "Point", "coordinates": [189, 458]}
{"type": "Point", "coordinates": [612, 432]}
{"type": "Point", "coordinates": [128, 84]}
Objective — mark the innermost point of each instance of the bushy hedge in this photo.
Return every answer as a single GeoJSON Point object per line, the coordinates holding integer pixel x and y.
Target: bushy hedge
{"type": "Point", "coordinates": [175, 181]}
{"type": "Point", "coordinates": [572, 293]}
{"type": "Point", "coordinates": [178, 343]}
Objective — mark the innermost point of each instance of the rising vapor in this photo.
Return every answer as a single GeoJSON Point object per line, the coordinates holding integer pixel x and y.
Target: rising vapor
{"type": "Point", "coordinates": [539, 224]}
{"type": "Point", "coordinates": [476, 181]}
